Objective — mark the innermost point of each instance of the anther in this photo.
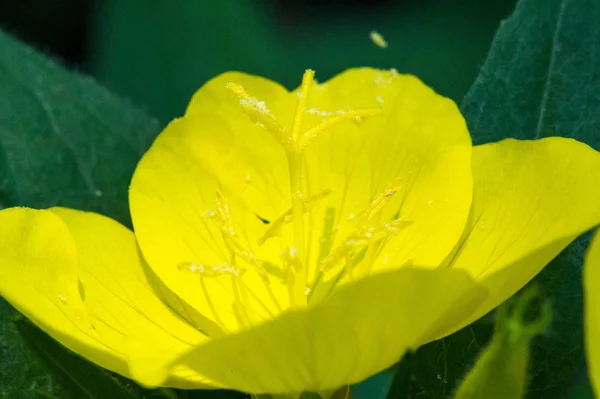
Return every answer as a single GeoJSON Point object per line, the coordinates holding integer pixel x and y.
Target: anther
{"type": "Point", "coordinates": [362, 238]}
{"type": "Point", "coordinates": [258, 112]}
{"type": "Point", "coordinates": [378, 39]}
{"type": "Point", "coordinates": [369, 229]}
{"type": "Point", "coordinates": [373, 211]}
{"type": "Point", "coordinates": [210, 271]}
{"type": "Point", "coordinates": [356, 115]}
{"type": "Point", "coordinates": [224, 222]}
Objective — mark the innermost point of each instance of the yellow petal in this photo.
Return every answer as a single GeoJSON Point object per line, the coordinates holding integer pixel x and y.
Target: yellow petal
{"type": "Point", "coordinates": [254, 164]}
{"type": "Point", "coordinates": [173, 199]}
{"type": "Point", "coordinates": [123, 308]}
{"type": "Point", "coordinates": [591, 284]}
{"type": "Point", "coordinates": [531, 199]}
{"type": "Point", "coordinates": [361, 329]}
{"type": "Point", "coordinates": [38, 277]}
{"type": "Point", "coordinates": [78, 277]}
{"type": "Point", "coordinates": [421, 142]}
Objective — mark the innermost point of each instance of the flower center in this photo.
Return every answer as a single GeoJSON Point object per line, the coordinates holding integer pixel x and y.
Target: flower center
{"type": "Point", "coordinates": [335, 257]}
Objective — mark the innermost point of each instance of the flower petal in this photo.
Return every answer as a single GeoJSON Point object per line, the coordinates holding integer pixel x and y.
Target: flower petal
{"type": "Point", "coordinates": [120, 301]}
{"type": "Point", "coordinates": [39, 278]}
{"type": "Point", "coordinates": [591, 284]}
{"type": "Point", "coordinates": [361, 329]}
{"type": "Point", "coordinates": [111, 306]}
{"type": "Point", "coordinates": [254, 166]}
{"type": "Point", "coordinates": [531, 199]}
{"type": "Point", "coordinates": [420, 141]}
{"type": "Point", "coordinates": [173, 199]}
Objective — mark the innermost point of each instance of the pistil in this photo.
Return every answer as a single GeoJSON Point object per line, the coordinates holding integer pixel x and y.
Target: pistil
{"type": "Point", "coordinates": [295, 162]}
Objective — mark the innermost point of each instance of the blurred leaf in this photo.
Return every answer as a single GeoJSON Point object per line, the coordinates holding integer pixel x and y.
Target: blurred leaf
{"type": "Point", "coordinates": [159, 53]}
{"type": "Point", "coordinates": [581, 388]}
{"type": "Point", "coordinates": [541, 78]}
{"type": "Point", "coordinates": [82, 379]}
{"type": "Point", "coordinates": [63, 141]}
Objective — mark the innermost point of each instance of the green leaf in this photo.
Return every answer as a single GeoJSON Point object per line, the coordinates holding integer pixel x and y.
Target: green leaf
{"type": "Point", "coordinates": [65, 141]}
{"type": "Point", "coordinates": [542, 75]}
{"type": "Point", "coordinates": [83, 379]}
{"type": "Point", "coordinates": [541, 78]}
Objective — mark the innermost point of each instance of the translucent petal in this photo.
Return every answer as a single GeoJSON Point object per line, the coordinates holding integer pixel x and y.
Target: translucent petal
{"type": "Point", "coordinates": [39, 278]}
{"type": "Point", "coordinates": [361, 329]}
{"type": "Point", "coordinates": [421, 142]}
{"type": "Point", "coordinates": [119, 299]}
{"type": "Point", "coordinates": [173, 199]}
{"type": "Point", "coordinates": [531, 199]}
{"type": "Point", "coordinates": [254, 165]}
{"type": "Point", "coordinates": [78, 277]}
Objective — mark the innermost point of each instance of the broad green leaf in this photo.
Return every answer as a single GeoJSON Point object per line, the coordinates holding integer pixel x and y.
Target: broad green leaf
{"type": "Point", "coordinates": [541, 78]}
{"type": "Point", "coordinates": [63, 141]}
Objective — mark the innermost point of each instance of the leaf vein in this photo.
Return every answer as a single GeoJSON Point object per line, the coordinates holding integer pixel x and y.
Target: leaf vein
{"type": "Point", "coordinates": [549, 74]}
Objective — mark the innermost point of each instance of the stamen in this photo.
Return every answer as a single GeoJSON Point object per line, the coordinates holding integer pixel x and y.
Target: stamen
{"type": "Point", "coordinates": [203, 271]}
{"type": "Point", "coordinates": [326, 241]}
{"type": "Point", "coordinates": [354, 115]}
{"type": "Point", "coordinates": [210, 271]}
{"type": "Point", "coordinates": [307, 80]}
{"type": "Point", "coordinates": [293, 269]}
{"type": "Point", "coordinates": [369, 230]}
{"type": "Point", "coordinates": [363, 238]}
{"type": "Point", "coordinates": [224, 222]}
{"type": "Point", "coordinates": [373, 211]}
{"type": "Point", "coordinates": [258, 112]}
{"type": "Point", "coordinates": [276, 226]}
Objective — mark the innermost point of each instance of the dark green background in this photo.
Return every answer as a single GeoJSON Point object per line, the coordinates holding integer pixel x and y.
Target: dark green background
{"type": "Point", "coordinates": [158, 52]}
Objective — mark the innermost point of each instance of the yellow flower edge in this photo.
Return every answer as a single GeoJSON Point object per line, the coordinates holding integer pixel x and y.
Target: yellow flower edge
{"type": "Point", "coordinates": [299, 241]}
{"type": "Point", "coordinates": [591, 282]}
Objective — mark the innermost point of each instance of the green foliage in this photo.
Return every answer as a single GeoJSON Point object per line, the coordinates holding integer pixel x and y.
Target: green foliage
{"type": "Point", "coordinates": [541, 78]}
{"type": "Point", "coordinates": [81, 378]}
{"type": "Point", "coordinates": [160, 52]}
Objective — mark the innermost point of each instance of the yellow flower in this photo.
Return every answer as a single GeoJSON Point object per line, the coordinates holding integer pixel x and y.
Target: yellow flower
{"type": "Point", "coordinates": [299, 241]}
